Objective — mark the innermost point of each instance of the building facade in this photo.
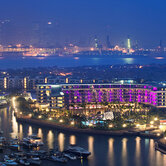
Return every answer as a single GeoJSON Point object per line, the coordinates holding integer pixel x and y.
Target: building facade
{"type": "Point", "coordinates": [79, 94]}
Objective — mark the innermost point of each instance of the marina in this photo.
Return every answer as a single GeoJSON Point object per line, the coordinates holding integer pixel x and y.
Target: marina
{"type": "Point", "coordinates": [104, 150]}
{"type": "Point", "coordinates": [27, 152]}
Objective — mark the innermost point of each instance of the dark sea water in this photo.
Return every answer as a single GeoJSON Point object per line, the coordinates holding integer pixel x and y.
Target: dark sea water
{"type": "Point", "coordinates": [73, 62]}
{"type": "Point", "coordinates": [106, 150]}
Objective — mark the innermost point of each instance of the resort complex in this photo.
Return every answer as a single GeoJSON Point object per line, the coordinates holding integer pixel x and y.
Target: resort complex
{"type": "Point", "coordinates": [77, 95]}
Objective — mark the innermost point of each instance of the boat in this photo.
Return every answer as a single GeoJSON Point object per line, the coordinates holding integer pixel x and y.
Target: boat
{"type": "Point", "coordinates": [160, 148]}
{"type": "Point", "coordinates": [24, 162]}
{"type": "Point", "coordinates": [34, 161]}
{"type": "Point", "coordinates": [58, 159]}
{"type": "Point", "coordinates": [10, 162]}
{"type": "Point", "coordinates": [32, 154]}
{"type": "Point", "coordinates": [32, 141]}
{"type": "Point", "coordinates": [70, 156]}
{"type": "Point", "coordinates": [78, 151]}
{"type": "Point", "coordinates": [2, 164]}
{"type": "Point", "coordinates": [1, 147]}
{"type": "Point", "coordinates": [27, 144]}
{"type": "Point", "coordinates": [14, 146]}
{"type": "Point", "coordinates": [1, 132]}
{"type": "Point", "coordinates": [2, 139]}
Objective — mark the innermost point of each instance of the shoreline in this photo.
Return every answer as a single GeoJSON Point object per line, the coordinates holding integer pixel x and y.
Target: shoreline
{"type": "Point", "coordinates": [45, 123]}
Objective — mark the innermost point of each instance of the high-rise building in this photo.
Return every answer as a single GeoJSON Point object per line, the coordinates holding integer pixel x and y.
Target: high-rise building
{"type": "Point", "coordinates": [108, 44]}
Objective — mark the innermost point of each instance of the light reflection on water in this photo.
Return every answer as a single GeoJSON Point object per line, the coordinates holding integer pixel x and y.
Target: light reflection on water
{"type": "Point", "coordinates": [72, 139]}
{"type": "Point", "coordinates": [106, 151]}
{"type": "Point", "coordinates": [50, 140]}
{"type": "Point", "coordinates": [40, 134]}
{"type": "Point", "coordinates": [138, 151]}
{"type": "Point", "coordinates": [82, 61]}
{"type": "Point", "coordinates": [124, 151]}
{"type": "Point", "coordinates": [111, 152]}
{"type": "Point", "coordinates": [61, 139]}
{"type": "Point", "coordinates": [129, 60]}
{"type": "Point", "coordinates": [91, 149]}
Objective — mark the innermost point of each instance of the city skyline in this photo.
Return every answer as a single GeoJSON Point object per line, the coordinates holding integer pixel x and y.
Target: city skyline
{"type": "Point", "coordinates": [80, 21]}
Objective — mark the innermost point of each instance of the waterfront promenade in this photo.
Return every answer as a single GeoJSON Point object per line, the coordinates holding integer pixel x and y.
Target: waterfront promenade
{"type": "Point", "coordinates": [51, 124]}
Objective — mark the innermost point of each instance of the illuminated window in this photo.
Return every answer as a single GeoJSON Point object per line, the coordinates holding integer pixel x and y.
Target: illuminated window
{"type": "Point", "coordinates": [48, 93]}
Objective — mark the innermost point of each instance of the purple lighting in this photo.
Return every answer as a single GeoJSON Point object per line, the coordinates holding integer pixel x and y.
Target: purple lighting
{"type": "Point", "coordinates": [109, 93]}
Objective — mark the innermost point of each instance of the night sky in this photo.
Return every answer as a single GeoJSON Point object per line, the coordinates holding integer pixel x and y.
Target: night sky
{"type": "Point", "coordinates": [81, 20]}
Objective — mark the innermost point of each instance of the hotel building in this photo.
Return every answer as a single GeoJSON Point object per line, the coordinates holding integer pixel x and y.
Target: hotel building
{"type": "Point", "coordinates": [65, 95]}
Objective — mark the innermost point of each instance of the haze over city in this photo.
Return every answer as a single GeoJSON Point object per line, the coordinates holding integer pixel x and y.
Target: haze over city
{"type": "Point", "coordinates": [80, 21]}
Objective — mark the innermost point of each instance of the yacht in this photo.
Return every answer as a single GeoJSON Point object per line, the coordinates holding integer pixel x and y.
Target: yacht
{"type": "Point", "coordinates": [79, 151]}
{"type": "Point", "coordinates": [32, 141]}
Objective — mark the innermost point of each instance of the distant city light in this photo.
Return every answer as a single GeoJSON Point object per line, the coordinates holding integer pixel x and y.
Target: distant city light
{"type": "Point", "coordinates": [49, 23]}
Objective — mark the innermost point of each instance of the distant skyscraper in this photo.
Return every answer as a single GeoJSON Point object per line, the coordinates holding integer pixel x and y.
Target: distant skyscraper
{"type": "Point", "coordinates": [96, 42]}
{"type": "Point", "coordinates": [128, 43]}
{"type": "Point", "coordinates": [160, 48]}
{"type": "Point", "coordinates": [108, 44]}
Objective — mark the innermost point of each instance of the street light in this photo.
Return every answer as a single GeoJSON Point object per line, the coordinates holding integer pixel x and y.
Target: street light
{"type": "Point", "coordinates": [151, 122]}
{"type": "Point", "coordinates": [72, 123]}
{"type": "Point", "coordinates": [110, 126]}
{"type": "Point", "coordinates": [90, 124]}
{"type": "Point", "coordinates": [61, 121]}
{"type": "Point", "coordinates": [137, 125]}
{"type": "Point", "coordinates": [124, 125]}
{"type": "Point", "coordinates": [155, 119]}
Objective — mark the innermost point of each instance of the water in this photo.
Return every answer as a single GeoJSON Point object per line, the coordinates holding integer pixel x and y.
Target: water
{"type": "Point", "coordinates": [106, 150]}
{"type": "Point", "coordinates": [72, 62]}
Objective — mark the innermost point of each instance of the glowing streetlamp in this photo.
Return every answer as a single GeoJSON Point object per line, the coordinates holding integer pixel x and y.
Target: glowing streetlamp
{"type": "Point", "coordinates": [158, 134]}
{"type": "Point", "coordinates": [110, 126]}
{"type": "Point", "coordinates": [155, 119]}
{"type": "Point", "coordinates": [72, 123]}
{"type": "Point", "coordinates": [124, 125]}
{"type": "Point", "coordinates": [61, 121]}
{"type": "Point", "coordinates": [90, 124]}
{"type": "Point", "coordinates": [30, 115]}
{"type": "Point", "coordinates": [137, 125]}
{"type": "Point", "coordinates": [151, 122]}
